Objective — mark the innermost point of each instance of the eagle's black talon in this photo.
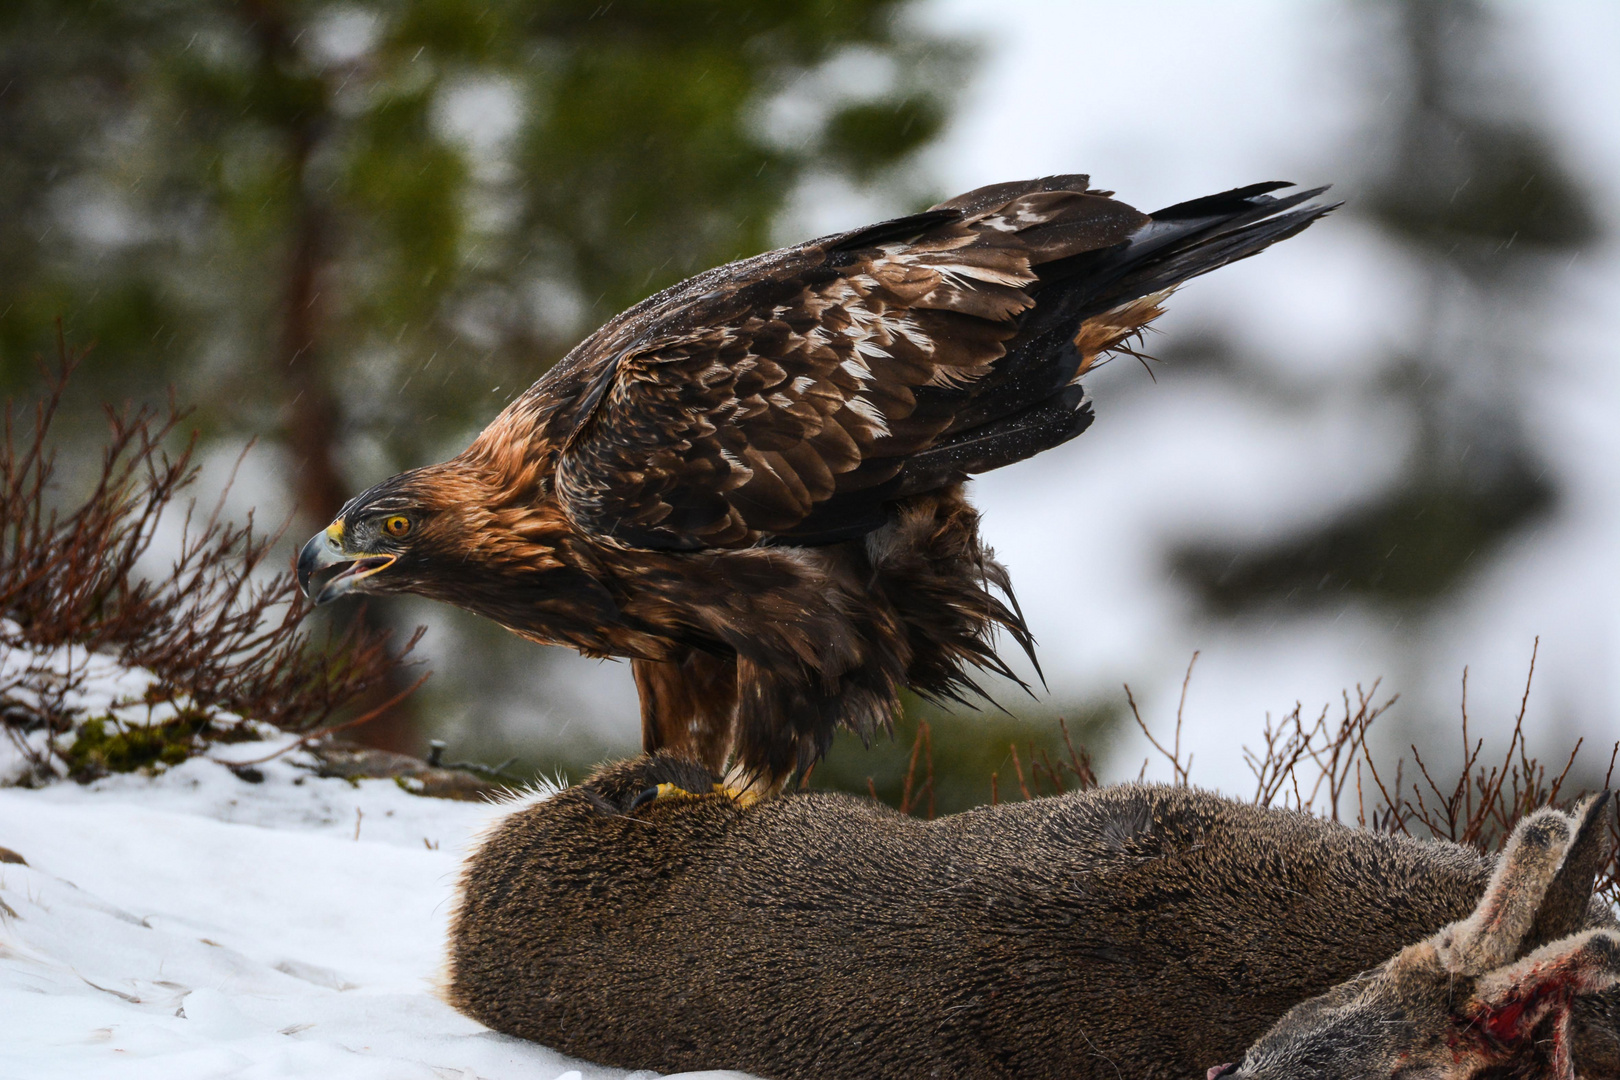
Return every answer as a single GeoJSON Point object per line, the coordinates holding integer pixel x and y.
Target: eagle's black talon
{"type": "Point", "coordinates": [642, 800]}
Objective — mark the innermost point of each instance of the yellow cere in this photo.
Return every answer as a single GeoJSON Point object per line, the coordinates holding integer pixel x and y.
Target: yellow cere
{"type": "Point", "coordinates": [334, 531]}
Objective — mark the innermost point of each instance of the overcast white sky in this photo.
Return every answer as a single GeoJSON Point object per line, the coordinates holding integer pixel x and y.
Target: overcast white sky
{"type": "Point", "coordinates": [1167, 101]}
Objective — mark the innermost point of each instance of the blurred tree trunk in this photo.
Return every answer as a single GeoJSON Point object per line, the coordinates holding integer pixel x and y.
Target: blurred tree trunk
{"type": "Point", "coordinates": [312, 414]}
{"type": "Point", "coordinates": [429, 198]}
{"type": "Point", "coordinates": [312, 410]}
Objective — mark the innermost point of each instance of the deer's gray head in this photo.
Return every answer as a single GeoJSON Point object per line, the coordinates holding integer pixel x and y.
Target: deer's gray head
{"type": "Point", "coordinates": [1492, 993]}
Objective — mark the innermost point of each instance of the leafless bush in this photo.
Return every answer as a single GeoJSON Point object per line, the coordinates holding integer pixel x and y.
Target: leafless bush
{"type": "Point", "coordinates": [217, 631]}
{"type": "Point", "coordinates": [1047, 776]}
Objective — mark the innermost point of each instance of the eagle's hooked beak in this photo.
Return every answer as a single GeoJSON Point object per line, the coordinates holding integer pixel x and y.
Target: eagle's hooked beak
{"type": "Point", "coordinates": [326, 571]}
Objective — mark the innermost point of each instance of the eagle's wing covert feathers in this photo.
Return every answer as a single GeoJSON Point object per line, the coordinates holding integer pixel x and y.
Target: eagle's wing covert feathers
{"type": "Point", "coordinates": [815, 373]}
{"type": "Point", "coordinates": [786, 397]}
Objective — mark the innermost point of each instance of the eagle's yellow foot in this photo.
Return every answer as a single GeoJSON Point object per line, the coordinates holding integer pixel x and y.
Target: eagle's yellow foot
{"type": "Point", "coordinates": [740, 796]}
{"type": "Point", "coordinates": [671, 791]}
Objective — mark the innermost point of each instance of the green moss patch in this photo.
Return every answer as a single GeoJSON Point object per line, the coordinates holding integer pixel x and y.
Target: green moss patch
{"type": "Point", "coordinates": [103, 745]}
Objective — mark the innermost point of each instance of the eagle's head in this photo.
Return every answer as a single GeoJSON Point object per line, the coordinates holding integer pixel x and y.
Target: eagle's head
{"type": "Point", "coordinates": [389, 539]}
{"type": "Point", "coordinates": [459, 532]}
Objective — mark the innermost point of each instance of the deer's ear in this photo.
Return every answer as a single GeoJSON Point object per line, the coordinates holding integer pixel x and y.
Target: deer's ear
{"type": "Point", "coordinates": [1494, 934]}
{"type": "Point", "coordinates": [1563, 912]}
{"type": "Point", "coordinates": [1511, 1002]}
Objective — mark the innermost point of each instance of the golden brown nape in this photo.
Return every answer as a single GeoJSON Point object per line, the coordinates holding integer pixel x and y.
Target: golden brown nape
{"type": "Point", "coordinates": [751, 484]}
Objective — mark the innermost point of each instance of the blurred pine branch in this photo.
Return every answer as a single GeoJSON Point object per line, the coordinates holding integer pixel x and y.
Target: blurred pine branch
{"type": "Point", "coordinates": [355, 230]}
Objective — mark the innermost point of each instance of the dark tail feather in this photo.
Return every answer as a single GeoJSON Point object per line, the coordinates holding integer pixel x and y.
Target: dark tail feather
{"type": "Point", "coordinates": [1029, 411]}
{"type": "Point", "coordinates": [1238, 200]}
{"type": "Point", "coordinates": [1184, 241]}
{"type": "Point", "coordinates": [1193, 238]}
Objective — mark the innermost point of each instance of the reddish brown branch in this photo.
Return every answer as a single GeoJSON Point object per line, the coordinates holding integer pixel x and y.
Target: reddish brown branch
{"type": "Point", "coordinates": [218, 629]}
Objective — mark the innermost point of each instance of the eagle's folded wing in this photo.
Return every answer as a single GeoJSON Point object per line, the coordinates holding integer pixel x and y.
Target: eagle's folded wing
{"type": "Point", "coordinates": [778, 397]}
{"type": "Point", "coordinates": [791, 396]}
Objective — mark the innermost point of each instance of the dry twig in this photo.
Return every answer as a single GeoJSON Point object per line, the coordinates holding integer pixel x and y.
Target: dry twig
{"type": "Point", "coordinates": [219, 629]}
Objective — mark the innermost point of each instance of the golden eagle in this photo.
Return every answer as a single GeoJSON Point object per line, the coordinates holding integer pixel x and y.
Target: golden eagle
{"type": "Point", "coordinates": [751, 484]}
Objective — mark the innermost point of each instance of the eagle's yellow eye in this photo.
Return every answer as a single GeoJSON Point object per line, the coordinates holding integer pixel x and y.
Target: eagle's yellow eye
{"type": "Point", "coordinates": [398, 525]}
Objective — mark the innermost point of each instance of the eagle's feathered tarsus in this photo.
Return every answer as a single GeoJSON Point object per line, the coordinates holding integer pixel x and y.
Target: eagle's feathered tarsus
{"type": "Point", "coordinates": [751, 483]}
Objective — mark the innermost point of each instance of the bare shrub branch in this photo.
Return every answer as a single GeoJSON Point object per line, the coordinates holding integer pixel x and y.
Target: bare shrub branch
{"type": "Point", "coordinates": [1308, 764]}
{"type": "Point", "coordinates": [218, 630]}
{"type": "Point", "coordinates": [922, 746]}
{"type": "Point", "coordinates": [1181, 770]}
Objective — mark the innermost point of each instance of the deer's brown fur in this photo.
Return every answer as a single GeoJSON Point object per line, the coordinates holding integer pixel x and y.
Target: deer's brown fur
{"type": "Point", "coordinates": [1133, 931]}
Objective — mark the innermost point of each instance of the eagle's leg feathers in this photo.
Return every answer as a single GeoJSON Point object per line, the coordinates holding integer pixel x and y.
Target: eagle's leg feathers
{"type": "Point", "coordinates": [689, 706]}
{"type": "Point", "coordinates": [917, 603]}
{"type": "Point", "coordinates": [941, 583]}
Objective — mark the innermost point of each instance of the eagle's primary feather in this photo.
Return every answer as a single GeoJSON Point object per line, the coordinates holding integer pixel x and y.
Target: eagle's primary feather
{"type": "Point", "coordinates": [751, 483]}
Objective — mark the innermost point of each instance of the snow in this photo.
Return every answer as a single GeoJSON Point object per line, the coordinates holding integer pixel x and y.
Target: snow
{"type": "Point", "coordinates": [71, 680]}
{"type": "Point", "coordinates": [191, 925]}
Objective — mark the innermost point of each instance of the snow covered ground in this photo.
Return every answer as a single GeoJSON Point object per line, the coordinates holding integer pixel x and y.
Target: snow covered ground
{"type": "Point", "coordinates": [192, 925]}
